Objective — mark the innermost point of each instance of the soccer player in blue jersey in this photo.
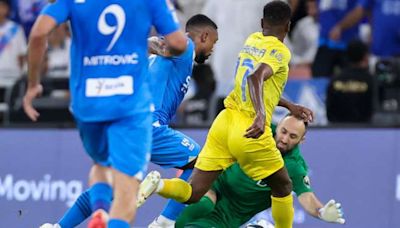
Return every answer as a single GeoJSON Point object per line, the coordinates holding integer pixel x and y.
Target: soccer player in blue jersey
{"type": "Point", "coordinates": [111, 101]}
{"type": "Point", "coordinates": [385, 16]}
{"type": "Point", "coordinates": [331, 53]}
{"type": "Point", "coordinates": [169, 79]}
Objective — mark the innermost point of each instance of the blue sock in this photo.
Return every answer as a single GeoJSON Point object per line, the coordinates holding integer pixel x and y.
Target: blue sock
{"type": "Point", "coordinates": [78, 212]}
{"type": "Point", "coordinates": [117, 223]}
{"type": "Point", "coordinates": [100, 196]}
{"type": "Point", "coordinates": [173, 209]}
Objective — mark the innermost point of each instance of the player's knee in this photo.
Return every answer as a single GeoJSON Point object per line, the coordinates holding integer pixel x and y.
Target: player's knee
{"type": "Point", "coordinates": [287, 187]}
{"type": "Point", "coordinates": [283, 189]}
{"type": "Point", "coordinates": [197, 193]}
{"type": "Point", "coordinates": [280, 183]}
{"type": "Point", "coordinates": [99, 158]}
{"type": "Point", "coordinates": [194, 198]}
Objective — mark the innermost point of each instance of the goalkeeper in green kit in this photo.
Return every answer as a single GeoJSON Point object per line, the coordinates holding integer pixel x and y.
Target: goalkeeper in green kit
{"type": "Point", "coordinates": [235, 198]}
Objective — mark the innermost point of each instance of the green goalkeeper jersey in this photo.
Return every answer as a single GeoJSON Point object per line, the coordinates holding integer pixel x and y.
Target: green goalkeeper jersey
{"type": "Point", "coordinates": [239, 197]}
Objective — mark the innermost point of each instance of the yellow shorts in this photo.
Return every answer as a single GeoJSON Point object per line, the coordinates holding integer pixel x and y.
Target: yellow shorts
{"type": "Point", "coordinates": [226, 144]}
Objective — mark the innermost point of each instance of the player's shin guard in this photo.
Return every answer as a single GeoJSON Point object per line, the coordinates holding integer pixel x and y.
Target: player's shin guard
{"type": "Point", "coordinates": [176, 189]}
{"type": "Point", "coordinates": [282, 211]}
{"type": "Point", "coordinates": [173, 208]}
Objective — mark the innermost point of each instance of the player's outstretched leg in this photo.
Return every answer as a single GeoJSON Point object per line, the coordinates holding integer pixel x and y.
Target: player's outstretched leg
{"type": "Point", "coordinates": [282, 200]}
{"type": "Point", "coordinates": [178, 189]}
{"type": "Point", "coordinates": [172, 148]}
{"type": "Point", "coordinates": [172, 209]}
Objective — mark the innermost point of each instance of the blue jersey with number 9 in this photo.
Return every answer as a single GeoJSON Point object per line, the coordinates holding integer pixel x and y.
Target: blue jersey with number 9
{"type": "Point", "coordinates": [109, 59]}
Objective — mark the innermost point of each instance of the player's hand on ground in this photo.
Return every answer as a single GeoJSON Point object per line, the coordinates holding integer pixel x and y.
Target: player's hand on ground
{"type": "Point", "coordinates": [302, 112]}
{"type": "Point", "coordinates": [332, 212]}
{"type": "Point", "coordinates": [257, 128]}
{"type": "Point", "coordinates": [31, 93]}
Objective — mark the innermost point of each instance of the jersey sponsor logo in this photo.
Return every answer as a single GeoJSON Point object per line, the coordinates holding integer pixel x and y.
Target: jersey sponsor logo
{"type": "Point", "coordinates": [105, 87]}
{"type": "Point", "coordinates": [112, 60]}
{"type": "Point", "coordinates": [45, 189]}
{"type": "Point", "coordinates": [276, 54]}
{"type": "Point", "coordinates": [253, 51]}
{"type": "Point", "coordinates": [77, 1]}
{"type": "Point", "coordinates": [116, 30]}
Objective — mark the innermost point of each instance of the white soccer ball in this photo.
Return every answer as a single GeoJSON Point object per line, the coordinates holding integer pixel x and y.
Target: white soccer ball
{"type": "Point", "coordinates": [261, 223]}
{"type": "Point", "coordinates": [49, 225]}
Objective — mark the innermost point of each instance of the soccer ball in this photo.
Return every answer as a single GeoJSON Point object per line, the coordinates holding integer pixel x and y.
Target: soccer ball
{"type": "Point", "coordinates": [49, 225]}
{"type": "Point", "coordinates": [261, 223]}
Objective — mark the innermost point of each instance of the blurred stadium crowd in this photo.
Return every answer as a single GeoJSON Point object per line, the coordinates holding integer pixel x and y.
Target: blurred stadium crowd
{"type": "Point", "coordinates": [352, 45]}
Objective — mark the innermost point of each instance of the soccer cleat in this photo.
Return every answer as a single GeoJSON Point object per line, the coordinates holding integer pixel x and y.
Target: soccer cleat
{"type": "Point", "coordinates": [99, 219]}
{"type": "Point", "coordinates": [148, 187]}
{"type": "Point", "coordinates": [49, 225]}
{"type": "Point", "coordinates": [162, 223]}
{"type": "Point", "coordinates": [261, 223]}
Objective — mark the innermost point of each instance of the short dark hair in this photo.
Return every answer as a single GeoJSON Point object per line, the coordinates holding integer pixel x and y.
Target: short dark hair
{"type": "Point", "coordinates": [200, 20]}
{"type": "Point", "coordinates": [356, 51]}
{"type": "Point", "coordinates": [277, 13]}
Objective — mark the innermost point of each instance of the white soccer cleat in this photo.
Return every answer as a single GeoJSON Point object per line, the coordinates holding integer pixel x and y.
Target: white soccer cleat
{"type": "Point", "coordinates": [162, 222]}
{"type": "Point", "coordinates": [148, 187]}
{"type": "Point", "coordinates": [49, 225]}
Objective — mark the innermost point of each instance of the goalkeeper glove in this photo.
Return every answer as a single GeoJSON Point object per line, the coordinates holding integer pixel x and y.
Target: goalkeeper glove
{"type": "Point", "coordinates": [332, 212]}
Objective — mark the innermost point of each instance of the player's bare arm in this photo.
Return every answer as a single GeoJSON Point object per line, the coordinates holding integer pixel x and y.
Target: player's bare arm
{"type": "Point", "coordinates": [330, 212]}
{"type": "Point", "coordinates": [36, 52]}
{"type": "Point", "coordinates": [352, 18]}
{"type": "Point", "coordinates": [297, 110]}
{"type": "Point", "coordinates": [176, 42]}
{"type": "Point", "coordinates": [256, 82]}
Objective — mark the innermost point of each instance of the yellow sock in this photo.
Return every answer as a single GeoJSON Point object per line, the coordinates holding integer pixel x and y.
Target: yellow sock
{"type": "Point", "coordinates": [176, 189]}
{"type": "Point", "coordinates": [282, 211]}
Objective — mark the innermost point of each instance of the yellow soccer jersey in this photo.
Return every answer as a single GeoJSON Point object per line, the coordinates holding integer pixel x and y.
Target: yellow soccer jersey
{"type": "Point", "coordinates": [260, 49]}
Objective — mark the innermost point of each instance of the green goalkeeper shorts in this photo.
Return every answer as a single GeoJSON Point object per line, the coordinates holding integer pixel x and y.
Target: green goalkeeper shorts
{"type": "Point", "coordinates": [222, 216]}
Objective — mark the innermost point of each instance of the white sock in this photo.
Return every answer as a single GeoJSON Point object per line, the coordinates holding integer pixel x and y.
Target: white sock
{"type": "Point", "coordinates": [164, 220]}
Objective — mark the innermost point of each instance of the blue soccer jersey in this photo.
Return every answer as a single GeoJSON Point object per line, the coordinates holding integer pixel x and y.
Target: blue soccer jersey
{"type": "Point", "coordinates": [170, 79]}
{"type": "Point", "coordinates": [385, 26]}
{"type": "Point", "coordinates": [330, 13]}
{"type": "Point", "coordinates": [109, 59]}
